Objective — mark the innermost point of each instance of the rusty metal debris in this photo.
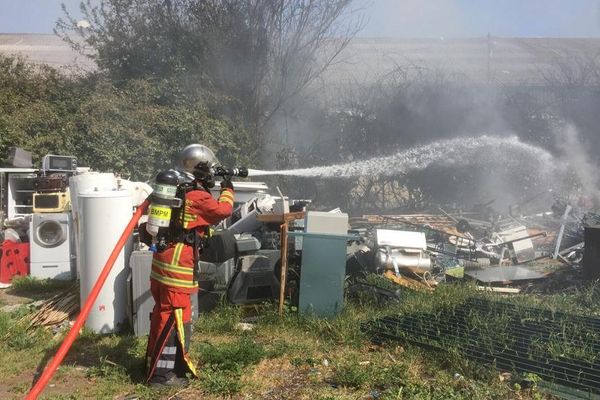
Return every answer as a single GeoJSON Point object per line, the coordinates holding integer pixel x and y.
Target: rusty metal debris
{"type": "Point", "coordinates": [418, 251]}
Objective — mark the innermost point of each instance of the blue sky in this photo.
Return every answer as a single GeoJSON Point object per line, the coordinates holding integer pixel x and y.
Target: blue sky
{"type": "Point", "coordinates": [397, 18]}
{"type": "Point", "coordinates": [460, 18]}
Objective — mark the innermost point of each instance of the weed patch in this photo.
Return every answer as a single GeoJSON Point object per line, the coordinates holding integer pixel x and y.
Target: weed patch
{"type": "Point", "coordinates": [220, 321]}
{"type": "Point", "coordinates": [220, 382]}
{"type": "Point", "coordinates": [5, 323]}
{"type": "Point", "coordinates": [30, 285]}
{"type": "Point", "coordinates": [351, 374]}
{"type": "Point", "coordinates": [341, 330]}
{"type": "Point", "coordinates": [106, 369]}
{"type": "Point", "coordinates": [232, 356]}
{"type": "Point", "coordinates": [14, 334]}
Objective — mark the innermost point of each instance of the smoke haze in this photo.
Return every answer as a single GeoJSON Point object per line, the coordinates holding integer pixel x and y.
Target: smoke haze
{"type": "Point", "coordinates": [574, 152]}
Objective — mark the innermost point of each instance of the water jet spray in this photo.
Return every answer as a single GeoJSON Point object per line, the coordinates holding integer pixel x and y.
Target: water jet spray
{"type": "Point", "coordinates": [508, 153]}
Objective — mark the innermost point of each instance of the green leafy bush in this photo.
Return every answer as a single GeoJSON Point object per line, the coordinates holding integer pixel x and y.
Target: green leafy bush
{"type": "Point", "coordinates": [133, 128]}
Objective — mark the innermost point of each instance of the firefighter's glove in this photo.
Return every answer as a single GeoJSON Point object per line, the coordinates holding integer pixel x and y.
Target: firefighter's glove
{"type": "Point", "coordinates": [226, 182]}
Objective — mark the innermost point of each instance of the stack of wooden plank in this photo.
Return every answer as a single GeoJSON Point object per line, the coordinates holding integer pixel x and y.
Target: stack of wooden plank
{"type": "Point", "coordinates": [57, 309]}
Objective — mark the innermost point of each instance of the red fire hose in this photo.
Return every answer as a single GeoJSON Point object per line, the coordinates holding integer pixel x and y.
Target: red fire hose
{"type": "Point", "coordinates": [39, 386]}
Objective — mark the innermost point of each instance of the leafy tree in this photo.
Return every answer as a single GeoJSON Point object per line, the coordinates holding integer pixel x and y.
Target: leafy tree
{"type": "Point", "coordinates": [260, 52]}
{"type": "Point", "coordinates": [132, 39]}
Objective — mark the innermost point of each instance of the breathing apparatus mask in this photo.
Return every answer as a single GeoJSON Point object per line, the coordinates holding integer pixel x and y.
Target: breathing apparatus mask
{"type": "Point", "coordinates": [206, 174]}
{"type": "Point", "coordinates": [203, 174]}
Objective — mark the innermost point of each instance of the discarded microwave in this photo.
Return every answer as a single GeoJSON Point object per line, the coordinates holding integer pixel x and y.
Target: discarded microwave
{"type": "Point", "coordinates": [55, 163]}
{"type": "Point", "coordinates": [51, 202]}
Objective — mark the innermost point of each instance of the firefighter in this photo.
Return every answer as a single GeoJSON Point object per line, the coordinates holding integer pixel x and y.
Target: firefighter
{"type": "Point", "coordinates": [173, 278]}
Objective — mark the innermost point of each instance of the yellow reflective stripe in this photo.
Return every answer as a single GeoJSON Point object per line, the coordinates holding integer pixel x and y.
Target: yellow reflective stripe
{"type": "Point", "coordinates": [177, 254]}
{"type": "Point", "coordinates": [226, 195]}
{"type": "Point", "coordinates": [226, 200]}
{"type": "Point", "coordinates": [173, 268]}
{"type": "Point", "coordinates": [179, 320]}
{"type": "Point", "coordinates": [187, 217]}
{"type": "Point", "coordinates": [181, 333]}
{"type": "Point", "coordinates": [172, 281]}
{"type": "Point", "coordinates": [190, 365]}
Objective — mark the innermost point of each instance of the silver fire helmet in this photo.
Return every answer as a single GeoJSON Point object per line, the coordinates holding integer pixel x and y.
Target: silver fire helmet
{"type": "Point", "coordinates": [193, 154]}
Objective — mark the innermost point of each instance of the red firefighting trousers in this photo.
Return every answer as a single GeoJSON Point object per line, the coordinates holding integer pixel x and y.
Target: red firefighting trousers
{"type": "Point", "coordinates": [170, 331]}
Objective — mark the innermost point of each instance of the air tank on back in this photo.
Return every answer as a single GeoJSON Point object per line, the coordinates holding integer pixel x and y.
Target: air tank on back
{"type": "Point", "coordinates": [104, 215]}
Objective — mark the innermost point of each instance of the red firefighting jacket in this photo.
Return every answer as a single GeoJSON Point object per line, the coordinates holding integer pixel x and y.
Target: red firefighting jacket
{"type": "Point", "coordinates": [174, 267]}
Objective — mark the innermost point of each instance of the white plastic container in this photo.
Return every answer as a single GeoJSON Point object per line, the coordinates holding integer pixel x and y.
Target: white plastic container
{"type": "Point", "coordinates": [104, 216]}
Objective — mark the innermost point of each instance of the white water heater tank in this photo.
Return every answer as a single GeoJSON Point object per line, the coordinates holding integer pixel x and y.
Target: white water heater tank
{"type": "Point", "coordinates": [84, 183]}
{"type": "Point", "coordinates": [104, 216]}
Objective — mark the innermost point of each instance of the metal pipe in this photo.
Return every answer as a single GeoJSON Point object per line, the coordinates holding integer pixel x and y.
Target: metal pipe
{"type": "Point", "coordinates": [561, 231]}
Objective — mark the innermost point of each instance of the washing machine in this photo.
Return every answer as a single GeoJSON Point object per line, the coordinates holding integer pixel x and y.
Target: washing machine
{"type": "Point", "coordinates": [50, 246]}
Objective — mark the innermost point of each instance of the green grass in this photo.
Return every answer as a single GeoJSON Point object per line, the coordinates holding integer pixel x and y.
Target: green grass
{"type": "Point", "coordinates": [233, 356]}
{"type": "Point", "coordinates": [28, 285]}
{"type": "Point", "coordinates": [15, 335]}
{"type": "Point", "coordinates": [288, 357]}
{"type": "Point", "coordinates": [220, 382]}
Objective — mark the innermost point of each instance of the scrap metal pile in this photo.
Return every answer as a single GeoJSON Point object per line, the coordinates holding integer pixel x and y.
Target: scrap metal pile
{"type": "Point", "coordinates": [422, 250]}
{"type": "Point", "coordinates": [539, 253]}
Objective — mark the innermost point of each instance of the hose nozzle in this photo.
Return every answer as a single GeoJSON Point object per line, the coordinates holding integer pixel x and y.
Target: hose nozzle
{"type": "Point", "coordinates": [242, 172]}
